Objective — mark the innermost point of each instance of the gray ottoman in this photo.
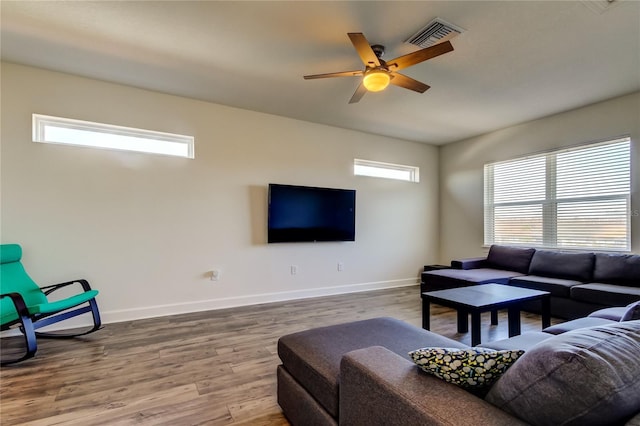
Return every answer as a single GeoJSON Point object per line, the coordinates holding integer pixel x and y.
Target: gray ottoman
{"type": "Point", "coordinates": [308, 379]}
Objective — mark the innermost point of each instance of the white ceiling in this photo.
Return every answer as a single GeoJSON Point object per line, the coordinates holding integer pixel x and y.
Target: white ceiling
{"type": "Point", "coordinates": [517, 60]}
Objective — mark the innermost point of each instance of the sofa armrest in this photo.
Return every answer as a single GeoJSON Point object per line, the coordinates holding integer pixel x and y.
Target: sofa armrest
{"type": "Point", "coordinates": [470, 263]}
{"type": "Point", "coordinates": [376, 384]}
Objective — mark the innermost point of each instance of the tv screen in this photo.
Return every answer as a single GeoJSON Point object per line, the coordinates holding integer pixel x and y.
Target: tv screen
{"type": "Point", "coordinates": [303, 214]}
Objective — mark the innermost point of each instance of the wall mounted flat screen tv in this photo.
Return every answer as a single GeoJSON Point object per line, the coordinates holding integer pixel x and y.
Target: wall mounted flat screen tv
{"type": "Point", "coordinates": [309, 214]}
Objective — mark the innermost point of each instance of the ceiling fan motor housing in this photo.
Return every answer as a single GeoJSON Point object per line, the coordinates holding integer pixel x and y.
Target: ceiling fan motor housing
{"type": "Point", "coordinates": [378, 49]}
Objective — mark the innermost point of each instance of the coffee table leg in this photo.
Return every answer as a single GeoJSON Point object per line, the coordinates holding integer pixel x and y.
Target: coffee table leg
{"type": "Point", "coordinates": [546, 311]}
{"type": "Point", "coordinates": [475, 328]}
{"type": "Point", "coordinates": [463, 321]}
{"type": "Point", "coordinates": [514, 321]}
{"type": "Point", "coordinates": [426, 314]}
{"type": "Point", "coordinates": [494, 317]}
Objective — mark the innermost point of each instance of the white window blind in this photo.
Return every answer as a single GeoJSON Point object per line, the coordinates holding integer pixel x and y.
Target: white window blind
{"type": "Point", "coordinates": [576, 198]}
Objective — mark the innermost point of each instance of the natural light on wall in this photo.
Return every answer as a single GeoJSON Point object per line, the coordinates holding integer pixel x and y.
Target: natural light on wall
{"type": "Point", "coordinates": [386, 170]}
{"type": "Point", "coordinates": [58, 130]}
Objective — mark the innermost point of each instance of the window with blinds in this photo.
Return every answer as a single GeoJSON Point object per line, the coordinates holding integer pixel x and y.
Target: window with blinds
{"type": "Point", "coordinates": [577, 198]}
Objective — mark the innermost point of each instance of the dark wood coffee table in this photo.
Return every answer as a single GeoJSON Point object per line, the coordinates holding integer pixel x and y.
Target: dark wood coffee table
{"type": "Point", "coordinates": [482, 298]}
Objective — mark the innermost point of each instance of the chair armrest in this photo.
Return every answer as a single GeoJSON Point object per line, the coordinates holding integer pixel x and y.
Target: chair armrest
{"type": "Point", "coordinates": [377, 384]}
{"type": "Point", "coordinates": [470, 263]}
{"type": "Point", "coordinates": [18, 302]}
{"type": "Point", "coordinates": [21, 309]}
{"type": "Point", "coordinates": [51, 288]}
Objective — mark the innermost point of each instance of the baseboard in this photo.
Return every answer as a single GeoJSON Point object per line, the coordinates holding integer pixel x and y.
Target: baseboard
{"type": "Point", "coordinates": [255, 299]}
{"type": "Point", "coordinates": [223, 303]}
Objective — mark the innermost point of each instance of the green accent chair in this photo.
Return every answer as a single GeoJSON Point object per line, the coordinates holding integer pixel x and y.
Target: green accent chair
{"type": "Point", "coordinates": [25, 306]}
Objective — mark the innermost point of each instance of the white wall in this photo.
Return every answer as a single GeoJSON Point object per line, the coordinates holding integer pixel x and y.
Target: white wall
{"type": "Point", "coordinates": [146, 230]}
{"type": "Point", "coordinates": [461, 165]}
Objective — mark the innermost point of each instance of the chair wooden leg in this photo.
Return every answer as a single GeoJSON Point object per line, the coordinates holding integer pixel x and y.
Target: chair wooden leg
{"type": "Point", "coordinates": [91, 307]}
{"type": "Point", "coordinates": [31, 346]}
{"type": "Point", "coordinates": [26, 328]}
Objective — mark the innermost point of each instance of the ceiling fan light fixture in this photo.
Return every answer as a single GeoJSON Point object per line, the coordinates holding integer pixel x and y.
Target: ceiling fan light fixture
{"type": "Point", "coordinates": [376, 80]}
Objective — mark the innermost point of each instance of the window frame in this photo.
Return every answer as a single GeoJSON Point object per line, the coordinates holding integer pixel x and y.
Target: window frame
{"type": "Point", "coordinates": [360, 166]}
{"type": "Point", "coordinates": [155, 139]}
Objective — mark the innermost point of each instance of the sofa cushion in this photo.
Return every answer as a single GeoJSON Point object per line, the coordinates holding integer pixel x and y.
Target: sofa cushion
{"type": "Point", "coordinates": [467, 368]}
{"type": "Point", "coordinates": [378, 387]}
{"type": "Point", "coordinates": [510, 258]}
{"type": "Point", "coordinates": [556, 286]}
{"type": "Point", "coordinates": [605, 294]}
{"type": "Point", "coordinates": [614, 314]}
{"type": "Point", "coordinates": [469, 263]}
{"type": "Point", "coordinates": [524, 341]}
{"type": "Point", "coordinates": [312, 357]}
{"type": "Point", "coordinates": [632, 313]}
{"type": "Point", "coordinates": [558, 264]}
{"type": "Point", "coordinates": [582, 377]}
{"type": "Point", "coordinates": [622, 269]}
{"type": "Point", "coordinates": [452, 278]}
{"type": "Point", "coordinates": [298, 405]}
{"type": "Point", "coordinates": [576, 324]}
{"type": "Point", "coordinates": [634, 421]}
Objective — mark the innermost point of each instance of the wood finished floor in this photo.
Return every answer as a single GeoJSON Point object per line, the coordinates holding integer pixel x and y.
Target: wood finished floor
{"type": "Point", "coordinates": [207, 368]}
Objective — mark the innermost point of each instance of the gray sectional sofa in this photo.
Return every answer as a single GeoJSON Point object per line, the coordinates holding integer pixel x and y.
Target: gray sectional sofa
{"type": "Point", "coordinates": [360, 373]}
{"type": "Point", "coordinates": [579, 282]}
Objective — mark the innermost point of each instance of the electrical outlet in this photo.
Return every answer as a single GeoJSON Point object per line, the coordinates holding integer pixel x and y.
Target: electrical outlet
{"type": "Point", "coordinates": [340, 266]}
{"type": "Point", "coordinates": [215, 275]}
{"type": "Point", "coordinates": [294, 269]}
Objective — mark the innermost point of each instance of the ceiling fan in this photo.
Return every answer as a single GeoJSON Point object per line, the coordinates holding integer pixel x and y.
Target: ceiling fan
{"type": "Point", "coordinates": [378, 74]}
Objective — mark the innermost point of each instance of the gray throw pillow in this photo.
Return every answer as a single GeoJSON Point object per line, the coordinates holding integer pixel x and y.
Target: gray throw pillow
{"type": "Point", "coordinates": [583, 377]}
{"type": "Point", "coordinates": [559, 264]}
{"type": "Point", "coordinates": [510, 258]}
{"type": "Point", "coordinates": [632, 313]}
{"type": "Point", "coordinates": [621, 269]}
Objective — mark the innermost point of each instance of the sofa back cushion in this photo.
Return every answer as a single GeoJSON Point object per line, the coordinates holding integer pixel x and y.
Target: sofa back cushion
{"type": "Point", "coordinates": [621, 269]}
{"type": "Point", "coordinates": [510, 258]}
{"type": "Point", "coordinates": [584, 377]}
{"type": "Point", "coordinates": [558, 264]}
{"type": "Point", "coordinates": [632, 312]}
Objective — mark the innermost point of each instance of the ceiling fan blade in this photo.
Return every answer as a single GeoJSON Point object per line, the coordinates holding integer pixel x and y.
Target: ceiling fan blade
{"type": "Point", "coordinates": [358, 94]}
{"type": "Point", "coordinates": [402, 80]}
{"type": "Point", "coordinates": [335, 74]}
{"type": "Point", "coordinates": [364, 49]}
{"type": "Point", "coordinates": [405, 61]}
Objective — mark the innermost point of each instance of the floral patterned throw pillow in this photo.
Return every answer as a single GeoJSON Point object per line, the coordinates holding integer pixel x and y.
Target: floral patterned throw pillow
{"type": "Point", "coordinates": [467, 368]}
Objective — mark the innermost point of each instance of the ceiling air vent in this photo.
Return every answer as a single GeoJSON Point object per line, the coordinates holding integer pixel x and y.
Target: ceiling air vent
{"type": "Point", "coordinates": [435, 32]}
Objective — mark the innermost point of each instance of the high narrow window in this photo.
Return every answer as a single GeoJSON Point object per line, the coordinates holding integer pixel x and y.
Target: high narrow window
{"type": "Point", "coordinates": [58, 130]}
{"type": "Point", "coordinates": [386, 170]}
{"type": "Point", "coordinates": [576, 198]}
